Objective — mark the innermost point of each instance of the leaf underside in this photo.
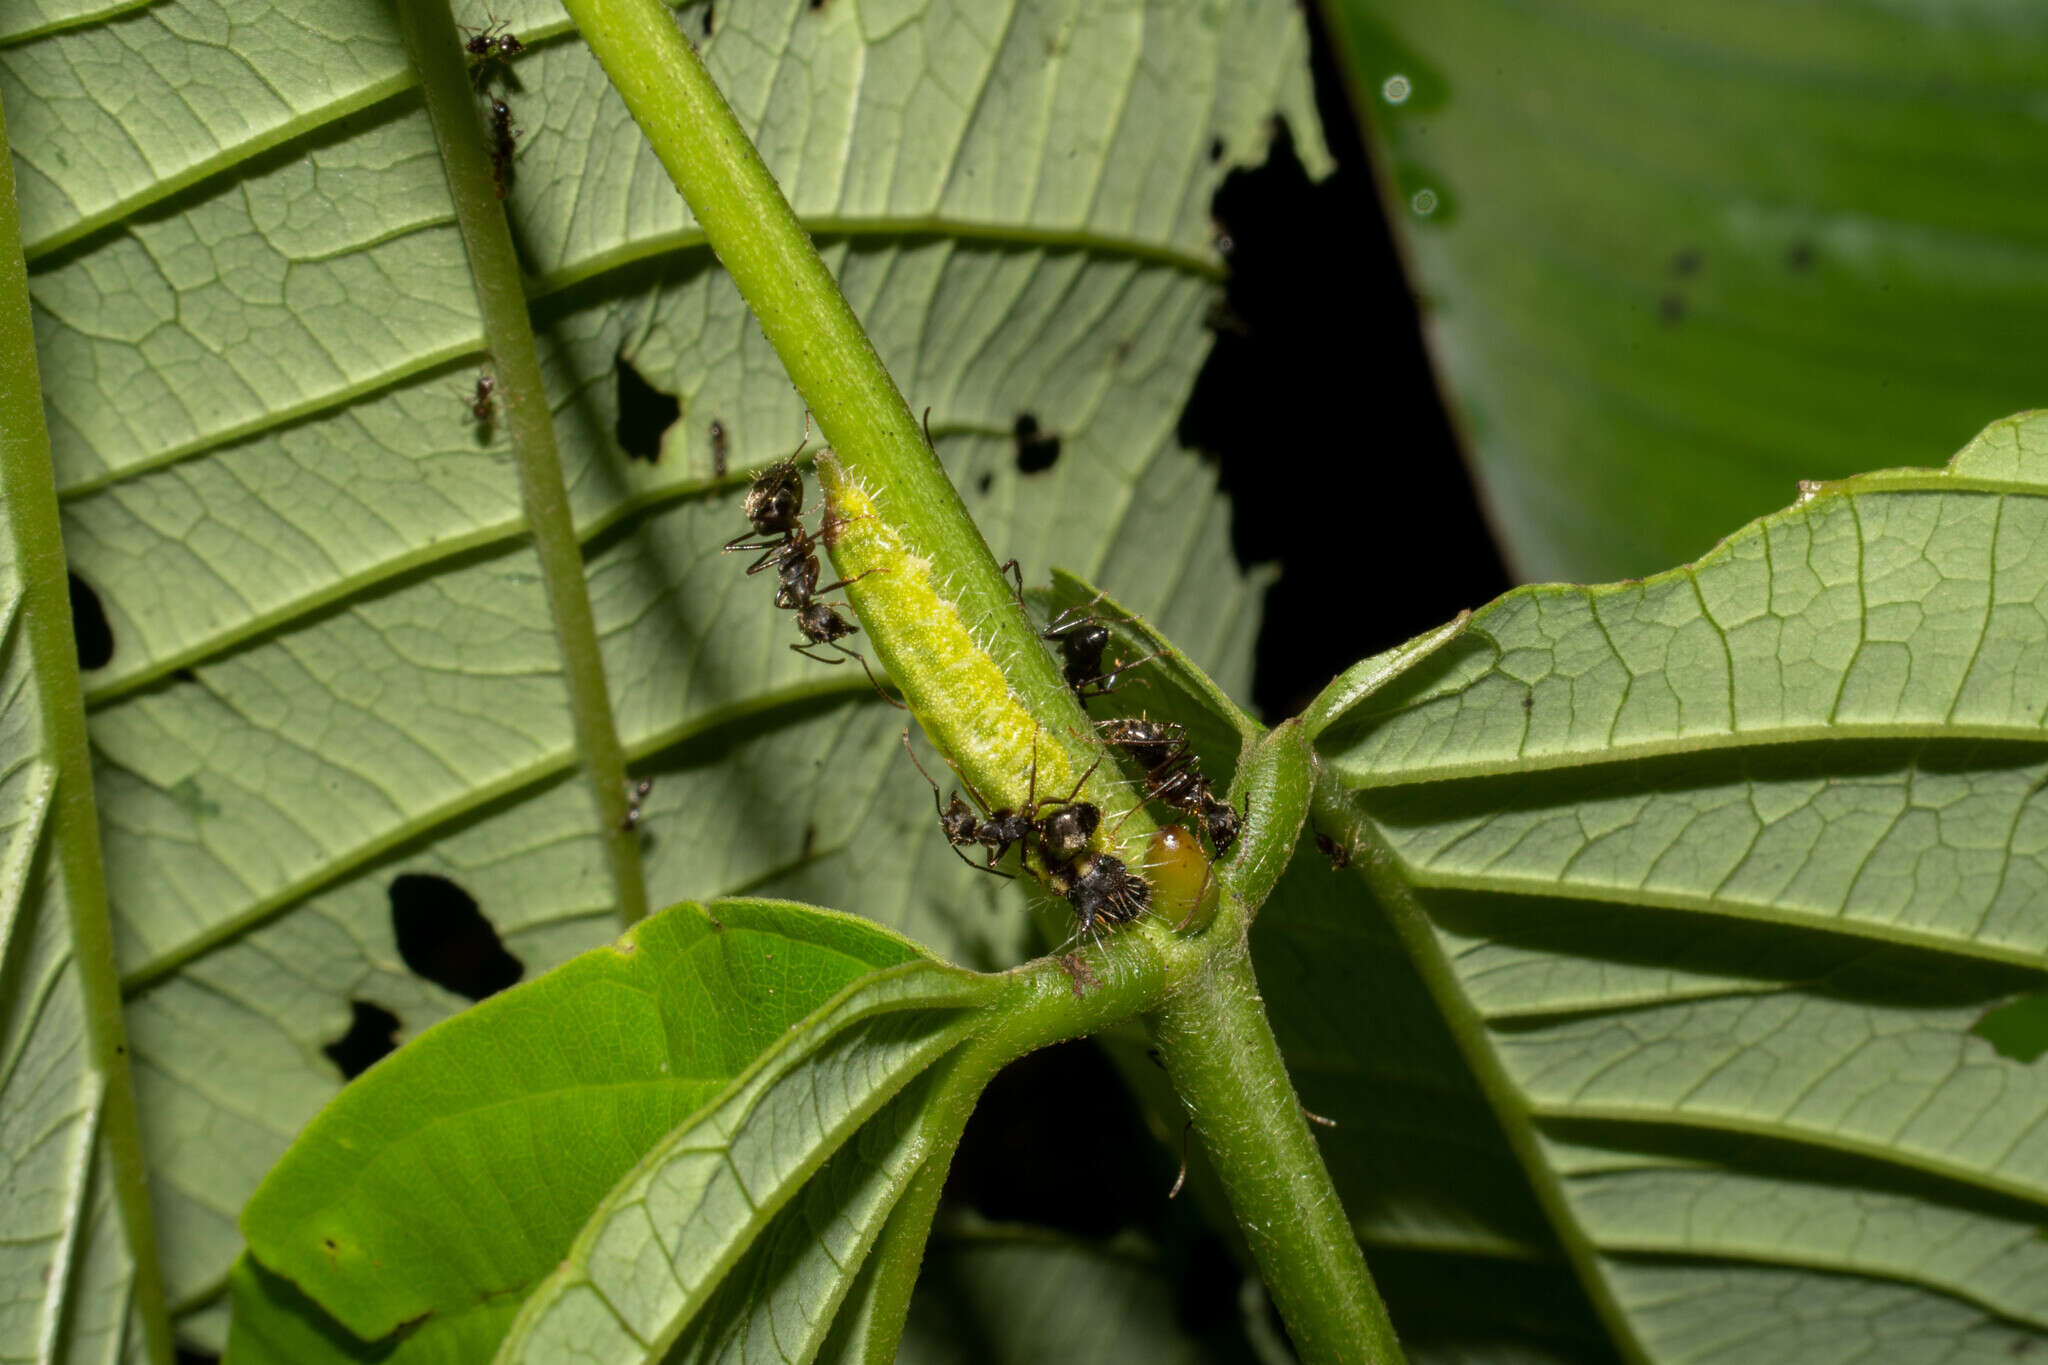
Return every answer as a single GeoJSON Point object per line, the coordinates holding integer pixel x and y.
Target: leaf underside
{"type": "Point", "coordinates": [1674, 258]}
{"type": "Point", "coordinates": [1712, 876]}
{"type": "Point", "coordinates": [330, 663]}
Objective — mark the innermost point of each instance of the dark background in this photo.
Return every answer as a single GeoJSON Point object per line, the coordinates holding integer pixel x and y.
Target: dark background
{"type": "Point", "coordinates": [1319, 369]}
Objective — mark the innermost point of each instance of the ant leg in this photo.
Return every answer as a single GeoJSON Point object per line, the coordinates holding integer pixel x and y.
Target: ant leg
{"type": "Point", "coordinates": [1080, 784]}
{"type": "Point", "coordinates": [739, 542]}
{"type": "Point", "coordinates": [1106, 683]}
{"type": "Point", "coordinates": [927, 776]}
{"type": "Point", "coordinates": [1016, 571]}
{"type": "Point", "coordinates": [900, 706]}
{"type": "Point", "coordinates": [1068, 620]}
{"type": "Point", "coordinates": [928, 431]}
{"type": "Point", "coordinates": [842, 583]}
{"type": "Point", "coordinates": [805, 650]}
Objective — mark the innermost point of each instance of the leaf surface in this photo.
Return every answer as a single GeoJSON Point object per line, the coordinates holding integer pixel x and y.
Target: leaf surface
{"type": "Point", "coordinates": [1675, 258]}
{"type": "Point", "coordinates": [1710, 877]}
{"type": "Point", "coordinates": [330, 668]}
{"type": "Point", "coordinates": [455, 1175]}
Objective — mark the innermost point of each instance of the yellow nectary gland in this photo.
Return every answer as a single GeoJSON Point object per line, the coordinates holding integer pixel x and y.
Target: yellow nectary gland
{"type": "Point", "coordinates": [1184, 889]}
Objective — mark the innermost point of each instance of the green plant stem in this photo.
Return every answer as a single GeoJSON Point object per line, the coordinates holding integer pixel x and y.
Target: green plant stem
{"type": "Point", "coordinates": [933, 592]}
{"type": "Point", "coordinates": [1378, 866]}
{"type": "Point", "coordinates": [28, 490]}
{"type": "Point", "coordinates": [1220, 1054]}
{"type": "Point", "coordinates": [778, 271]}
{"type": "Point", "coordinates": [436, 50]}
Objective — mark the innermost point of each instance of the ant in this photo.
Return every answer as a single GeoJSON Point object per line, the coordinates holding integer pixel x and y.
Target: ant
{"type": "Point", "coordinates": [1173, 776]}
{"type": "Point", "coordinates": [633, 800]}
{"type": "Point", "coordinates": [488, 47]}
{"type": "Point", "coordinates": [717, 448]}
{"type": "Point", "coordinates": [502, 135]}
{"type": "Point", "coordinates": [1082, 641]}
{"type": "Point", "coordinates": [1062, 836]}
{"type": "Point", "coordinates": [774, 504]}
{"type": "Point", "coordinates": [483, 402]}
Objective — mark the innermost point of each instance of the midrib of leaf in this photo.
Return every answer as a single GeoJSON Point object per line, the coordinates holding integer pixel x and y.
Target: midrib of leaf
{"type": "Point", "coordinates": [26, 477]}
{"type": "Point", "coordinates": [1376, 864]}
{"type": "Point", "coordinates": [431, 38]}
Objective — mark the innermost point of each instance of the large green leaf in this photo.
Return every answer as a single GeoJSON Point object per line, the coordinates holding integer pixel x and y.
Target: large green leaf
{"type": "Point", "coordinates": [331, 665]}
{"type": "Point", "coordinates": [437, 1193]}
{"type": "Point", "coordinates": [1674, 257]}
{"type": "Point", "coordinates": [1710, 877]}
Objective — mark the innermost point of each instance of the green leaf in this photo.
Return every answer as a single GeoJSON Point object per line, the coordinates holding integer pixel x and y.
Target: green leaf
{"type": "Point", "coordinates": [331, 666]}
{"type": "Point", "coordinates": [78, 1268]}
{"type": "Point", "coordinates": [454, 1176]}
{"type": "Point", "coordinates": [1674, 258]}
{"type": "Point", "coordinates": [1711, 877]}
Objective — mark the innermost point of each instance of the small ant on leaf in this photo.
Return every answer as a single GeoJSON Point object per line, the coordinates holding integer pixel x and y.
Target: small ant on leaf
{"type": "Point", "coordinates": [503, 134]}
{"type": "Point", "coordinates": [718, 444]}
{"type": "Point", "coordinates": [633, 800]}
{"type": "Point", "coordinates": [487, 48]}
{"type": "Point", "coordinates": [1173, 775]}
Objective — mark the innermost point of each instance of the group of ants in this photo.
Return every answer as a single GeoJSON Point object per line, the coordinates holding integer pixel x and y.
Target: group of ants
{"type": "Point", "coordinates": [1099, 887]}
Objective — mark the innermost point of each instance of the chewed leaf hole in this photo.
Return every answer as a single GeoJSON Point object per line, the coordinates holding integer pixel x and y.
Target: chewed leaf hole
{"type": "Point", "coordinates": [444, 937]}
{"type": "Point", "coordinates": [372, 1036]}
{"type": "Point", "coordinates": [2018, 1030]}
{"type": "Point", "coordinates": [1037, 451]}
{"type": "Point", "coordinates": [645, 413]}
{"type": "Point", "coordinates": [89, 624]}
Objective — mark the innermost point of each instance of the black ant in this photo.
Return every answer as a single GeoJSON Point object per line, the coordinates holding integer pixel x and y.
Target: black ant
{"type": "Point", "coordinates": [488, 47]}
{"type": "Point", "coordinates": [717, 448]}
{"type": "Point", "coordinates": [502, 135]}
{"type": "Point", "coordinates": [483, 401]}
{"type": "Point", "coordinates": [1082, 641]}
{"type": "Point", "coordinates": [1062, 836]}
{"type": "Point", "coordinates": [1173, 776]}
{"type": "Point", "coordinates": [639, 794]}
{"type": "Point", "coordinates": [774, 504]}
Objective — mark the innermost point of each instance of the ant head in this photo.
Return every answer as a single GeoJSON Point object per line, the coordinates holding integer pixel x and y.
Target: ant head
{"type": "Point", "coordinates": [1090, 639]}
{"type": "Point", "coordinates": [479, 44]}
{"type": "Point", "coordinates": [510, 46]}
{"type": "Point", "coordinates": [958, 821]}
{"type": "Point", "coordinates": [776, 499]}
{"type": "Point", "coordinates": [1066, 834]}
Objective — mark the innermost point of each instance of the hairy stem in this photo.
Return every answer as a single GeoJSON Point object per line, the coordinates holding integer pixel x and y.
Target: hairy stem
{"type": "Point", "coordinates": [28, 492]}
{"type": "Point", "coordinates": [436, 50]}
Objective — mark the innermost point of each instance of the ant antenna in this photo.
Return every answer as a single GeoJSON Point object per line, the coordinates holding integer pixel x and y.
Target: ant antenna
{"type": "Point", "coordinates": [1182, 1178]}
{"type": "Point", "coordinates": [928, 431]}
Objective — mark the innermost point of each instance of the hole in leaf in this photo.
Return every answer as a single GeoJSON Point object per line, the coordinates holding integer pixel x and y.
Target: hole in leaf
{"type": "Point", "coordinates": [185, 675]}
{"type": "Point", "coordinates": [710, 15]}
{"type": "Point", "coordinates": [1305, 253]}
{"type": "Point", "coordinates": [444, 937]}
{"type": "Point", "coordinates": [1037, 451]}
{"type": "Point", "coordinates": [371, 1037]}
{"type": "Point", "coordinates": [2018, 1030]}
{"type": "Point", "coordinates": [984, 483]}
{"type": "Point", "coordinates": [89, 625]}
{"type": "Point", "coordinates": [1216, 150]}
{"type": "Point", "coordinates": [645, 412]}
{"type": "Point", "coordinates": [192, 1355]}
